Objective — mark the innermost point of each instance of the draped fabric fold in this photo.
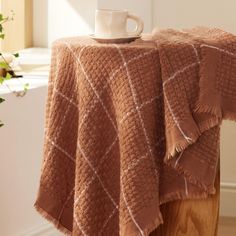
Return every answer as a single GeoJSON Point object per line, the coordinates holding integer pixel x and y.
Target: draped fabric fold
{"type": "Point", "coordinates": [199, 85]}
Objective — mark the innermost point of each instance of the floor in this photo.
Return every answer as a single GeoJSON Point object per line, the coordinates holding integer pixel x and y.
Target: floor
{"type": "Point", "coordinates": [227, 226]}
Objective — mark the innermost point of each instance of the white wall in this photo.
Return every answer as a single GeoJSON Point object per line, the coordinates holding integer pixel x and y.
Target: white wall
{"type": "Point", "coordinates": [70, 18]}
{"type": "Point", "coordinates": [21, 157]}
{"type": "Point", "coordinates": [228, 173]}
{"type": "Point", "coordinates": [40, 23]}
{"type": "Point", "coordinates": [188, 13]}
{"type": "Point", "coordinates": [59, 18]}
{"type": "Point", "coordinates": [63, 18]}
{"type": "Point", "coordinates": [54, 19]}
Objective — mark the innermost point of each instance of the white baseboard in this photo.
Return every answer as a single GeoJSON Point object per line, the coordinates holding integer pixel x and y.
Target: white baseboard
{"type": "Point", "coordinates": [42, 230]}
{"type": "Point", "coordinates": [227, 199]}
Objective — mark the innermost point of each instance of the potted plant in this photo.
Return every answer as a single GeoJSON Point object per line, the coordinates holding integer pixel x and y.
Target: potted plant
{"type": "Point", "coordinates": [6, 71]}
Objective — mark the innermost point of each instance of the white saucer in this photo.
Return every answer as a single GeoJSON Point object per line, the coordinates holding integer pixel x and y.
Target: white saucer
{"type": "Point", "coordinates": [126, 39]}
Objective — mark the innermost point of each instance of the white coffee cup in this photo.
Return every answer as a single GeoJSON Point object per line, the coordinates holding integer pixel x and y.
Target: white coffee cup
{"type": "Point", "coordinates": [113, 24]}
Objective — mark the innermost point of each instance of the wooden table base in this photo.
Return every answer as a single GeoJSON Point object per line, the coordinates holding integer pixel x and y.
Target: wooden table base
{"type": "Point", "coordinates": [191, 217]}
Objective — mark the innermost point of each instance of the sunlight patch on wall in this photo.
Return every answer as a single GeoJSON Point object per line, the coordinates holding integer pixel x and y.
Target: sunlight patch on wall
{"type": "Point", "coordinates": [70, 18]}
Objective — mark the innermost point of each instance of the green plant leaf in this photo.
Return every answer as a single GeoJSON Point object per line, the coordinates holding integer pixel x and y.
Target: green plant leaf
{"type": "Point", "coordinates": [16, 55]}
{"type": "Point", "coordinates": [4, 65]}
{"type": "Point", "coordinates": [1, 80]}
{"type": "Point", "coordinates": [2, 100]}
{"type": "Point", "coordinates": [8, 76]}
{"type": "Point", "coordinates": [26, 87]}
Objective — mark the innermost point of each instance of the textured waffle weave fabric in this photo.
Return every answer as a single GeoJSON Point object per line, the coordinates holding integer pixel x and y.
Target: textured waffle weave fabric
{"type": "Point", "coordinates": [132, 126]}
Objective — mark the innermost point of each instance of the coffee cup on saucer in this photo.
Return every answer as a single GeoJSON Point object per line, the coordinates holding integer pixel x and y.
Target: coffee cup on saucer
{"type": "Point", "coordinates": [111, 26]}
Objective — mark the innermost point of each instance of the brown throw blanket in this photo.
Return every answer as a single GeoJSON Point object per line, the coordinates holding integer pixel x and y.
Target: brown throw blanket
{"type": "Point", "coordinates": [129, 127]}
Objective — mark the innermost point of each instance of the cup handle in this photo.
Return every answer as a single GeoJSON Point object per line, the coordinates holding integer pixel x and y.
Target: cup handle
{"type": "Point", "coordinates": [139, 25]}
